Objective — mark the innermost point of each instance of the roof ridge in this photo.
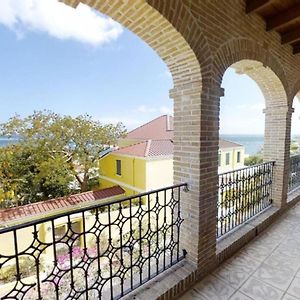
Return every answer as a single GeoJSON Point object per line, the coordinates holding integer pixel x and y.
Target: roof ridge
{"type": "Point", "coordinates": [140, 142]}
{"type": "Point", "coordinates": [147, 123]}
{"type": "Point", "coordinates": [230, 142]}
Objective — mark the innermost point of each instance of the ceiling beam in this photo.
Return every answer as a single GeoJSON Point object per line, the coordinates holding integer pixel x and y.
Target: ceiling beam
{"type": "Point", "coordinates": [296, 49]}
{"type": "Point", "coordinates": [254, 5]}
{"type": "Point", "coordinates": [290, 36]}
{"type": "Point", "coordinates": [283, 18]}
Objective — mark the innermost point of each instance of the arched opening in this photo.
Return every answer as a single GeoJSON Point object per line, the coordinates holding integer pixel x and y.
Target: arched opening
{"type": "Point", "coordinates": [243, 97]}
{"type": "Point", "coordinates": [154, 29]}
{"type": "Point", "coordinates": [246, 187]}
{"type": "Point", "coordinates": [294, 171]}
{"type": "Point", "coordinates": [137, 254]}
{"type": "Point", "coordinates": [152, 22]}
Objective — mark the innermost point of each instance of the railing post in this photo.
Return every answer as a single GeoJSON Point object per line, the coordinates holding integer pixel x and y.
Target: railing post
{"type": "Point", "coordinates": [277, 148]}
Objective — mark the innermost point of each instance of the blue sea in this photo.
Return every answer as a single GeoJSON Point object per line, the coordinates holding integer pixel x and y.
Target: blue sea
{"type": "Point", "coordinates": [252, 143]}
{"type": "Point", "coordinates": [6, 141]}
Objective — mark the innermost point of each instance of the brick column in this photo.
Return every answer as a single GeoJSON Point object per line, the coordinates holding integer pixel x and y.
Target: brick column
{"type": "Point", "coordinates": [196, 136]}
{"type": "Point", "coordinates": [277, 148]}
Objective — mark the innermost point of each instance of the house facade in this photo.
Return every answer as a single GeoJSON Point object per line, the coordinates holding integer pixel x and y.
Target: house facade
{"type": "Point", "coordinates": [144, 159]}
{"type": "Point", "coordinates": [231, 156]}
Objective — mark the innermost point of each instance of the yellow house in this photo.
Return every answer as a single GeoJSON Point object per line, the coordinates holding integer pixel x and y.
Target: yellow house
{"type": "Point", "coordinates": [138, 168]}
{"type": "Point", "coordinates": [231, 156]}
{"type": "Point", "coordinates": [144, 159]}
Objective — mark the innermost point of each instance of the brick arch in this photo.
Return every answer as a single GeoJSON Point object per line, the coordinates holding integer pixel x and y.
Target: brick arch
{"type": "Point", "coordinates": [149, 23]}
{"type": "Point", "coordinates": [250, 58]}
{"type": "Point", "coordinates": [168, 28]}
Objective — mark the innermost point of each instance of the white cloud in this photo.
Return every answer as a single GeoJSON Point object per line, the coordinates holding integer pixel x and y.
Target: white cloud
{"type": "Point", "coordinates": [145, 109]}
{"type": "Point", "coordinates": [148, 109]}
{"type": "Point", "coordinates": [166, 74]}
{"type": "Point", "coordinates": [166, 110]}
{"type": "Point", "coordinates": [58, 20]}
{"type": "Point", "coordinates": [130, 123]}
{"type": "Point", "coordinates": [257, 107]}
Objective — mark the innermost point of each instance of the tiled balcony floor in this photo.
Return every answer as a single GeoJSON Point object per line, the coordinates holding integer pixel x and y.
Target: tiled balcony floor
{"type": "Point", "coordinates": [266, 269]}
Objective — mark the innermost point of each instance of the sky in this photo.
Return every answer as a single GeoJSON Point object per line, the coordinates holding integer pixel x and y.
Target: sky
{"type": "Point", "coordinates": [75, 61]}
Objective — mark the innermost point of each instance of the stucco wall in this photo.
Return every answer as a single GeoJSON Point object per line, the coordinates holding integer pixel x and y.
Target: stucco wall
{"type": "Point", "coordinates": [159, 173]}
{"type": "Point", "coordinates": [133, 173]}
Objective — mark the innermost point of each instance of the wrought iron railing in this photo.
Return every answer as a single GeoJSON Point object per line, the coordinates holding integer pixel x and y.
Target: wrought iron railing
{"type": "Point", "coordinates": [294, 176]}
{"type": "Point", "coordinates": [100, 252]}
{"type": "Point", "coordinates": [243, 193]}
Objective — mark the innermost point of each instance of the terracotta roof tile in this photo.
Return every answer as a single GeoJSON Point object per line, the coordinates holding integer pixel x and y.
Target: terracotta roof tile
{"type": "Point", "coordinates": [160, 128]}
{"type": "Point", "coordinates": [149, 148]}
{"type": "Point", "coordinates": [160, 147]}
{"type": "Point", "coordinates": [138, 149]}
{"type": "Point", "coordinates": [33, 209]}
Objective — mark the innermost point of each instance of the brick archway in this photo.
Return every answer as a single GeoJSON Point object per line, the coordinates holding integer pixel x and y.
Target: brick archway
{"type": "Point", "coordinates": [156, 30]}
{"type": "Point", "coordinates": [175, 38]}
{"type": "Point", "coordinates": [250, 58]}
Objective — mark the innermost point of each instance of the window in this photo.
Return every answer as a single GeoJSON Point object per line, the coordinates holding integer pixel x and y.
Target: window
{"type": "Point", "coordinates": [220, 160]}
{"type": "Point", "coordinates": [118, 166]}
{"type": "Point", "coordinates": [238, 159]}
{"type": "Point", "coordinates": [227, 159]}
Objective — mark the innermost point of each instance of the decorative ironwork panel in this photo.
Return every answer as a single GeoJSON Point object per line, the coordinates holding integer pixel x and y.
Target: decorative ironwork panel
{"type": "Point", "coordinates": [294, 179]}
{"type": "Point", "coordinates": [99, 252]}
{"type": "Point", "coordinates": [243, 193]}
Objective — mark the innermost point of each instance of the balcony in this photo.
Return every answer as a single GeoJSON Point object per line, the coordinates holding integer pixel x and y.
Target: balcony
{"type": "Point", "coordinates": [266, 268]}
{"type": "Point", "coordinates": [108, 250]}
{"type": "Point", "coordinates": [99, 252]}
{"type": "Point", "coordinates": [157, 245]}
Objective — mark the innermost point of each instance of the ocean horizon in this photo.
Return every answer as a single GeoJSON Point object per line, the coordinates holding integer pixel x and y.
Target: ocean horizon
{"type": "Point", "coordinates": [253, 143]}
{"type": "Point", "coordinates": [4, 140]}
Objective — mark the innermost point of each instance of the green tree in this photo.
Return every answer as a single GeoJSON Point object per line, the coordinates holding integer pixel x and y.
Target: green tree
{"type": "Point", "coordinates": [294, 147]}
{"type": "Point", "coordinates": [253, 160]}
{"type": "Point", "coordinates": [54, 153]}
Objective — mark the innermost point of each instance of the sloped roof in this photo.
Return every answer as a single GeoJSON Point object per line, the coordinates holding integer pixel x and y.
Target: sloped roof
{"type": "Point", "coordinates": [228, 144]}
{"type": "Point", "coordinates": [149, 148]}
{"type": "Point", "coordinates": [44, 207]}
{"type": "Point", "coordinates": [155, 139]}
{"type": "Point", "coordinates": [160, 128]}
